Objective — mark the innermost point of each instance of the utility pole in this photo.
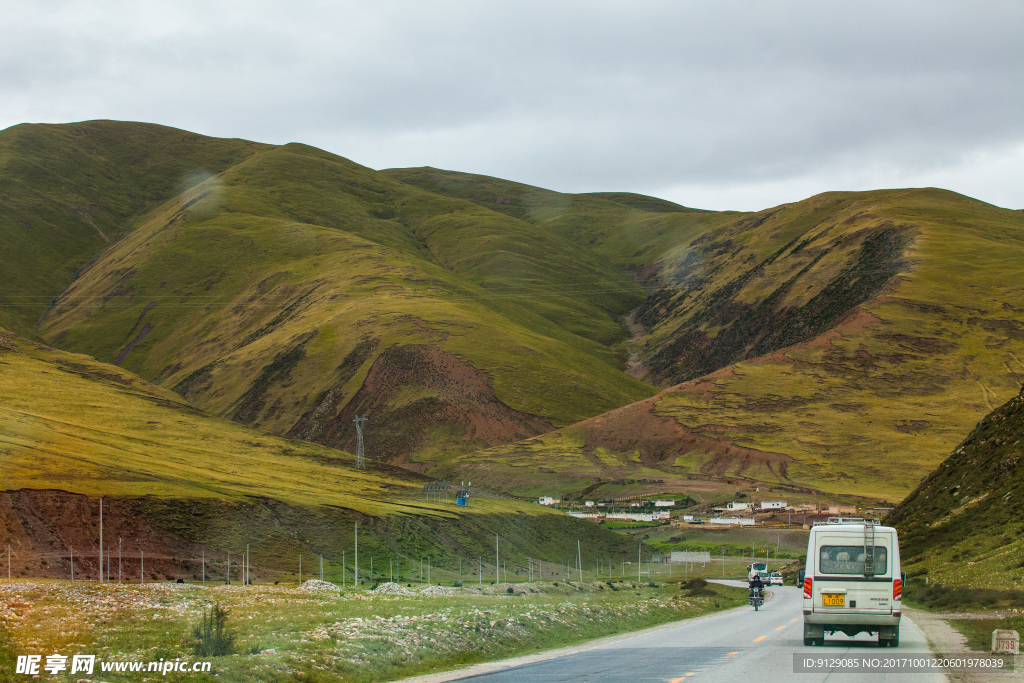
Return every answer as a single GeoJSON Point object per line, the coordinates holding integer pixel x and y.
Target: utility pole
{"type": "Point", "coordinates": [119, 567]}
{"type": "Point", "coordinates": [100, 563]}
{"type": "Point", "coordinates": [72, 565]}
{"type": "Point", "coordinates": [360, 462]}
{"type": "Point", "coordinates": [497, 565]}
{"type": "Point", "coordinates": [579, 559]}
{"type": "Point", "coordinates": [355, 583]}
{"type": "Point", "coordinates": [119, 559]}
{"type": "Point", "coordinates": [343, 570]}
{"type": "Point", "coordinates": [639, 558]}
{"type": "Point", "coordinates": [480, 570]}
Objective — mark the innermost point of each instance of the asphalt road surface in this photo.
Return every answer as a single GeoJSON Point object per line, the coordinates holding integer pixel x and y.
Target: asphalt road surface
{"type": "Point", "coordinates": [736, 645]}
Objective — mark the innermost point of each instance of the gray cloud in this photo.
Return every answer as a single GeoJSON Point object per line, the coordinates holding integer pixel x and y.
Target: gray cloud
{"type": "Point", "coordinates": [703, 99]}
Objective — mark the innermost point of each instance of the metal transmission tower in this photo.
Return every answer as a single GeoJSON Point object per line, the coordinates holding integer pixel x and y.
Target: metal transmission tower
{"type": "Point", "coordinates": [360, 462]}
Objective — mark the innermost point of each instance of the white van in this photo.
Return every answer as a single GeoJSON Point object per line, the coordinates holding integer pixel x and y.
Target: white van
{"type": "Point", "coordinates": [852, 581]}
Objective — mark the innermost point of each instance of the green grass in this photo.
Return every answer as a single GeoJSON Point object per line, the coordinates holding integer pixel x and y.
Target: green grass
{"type": "Point", "coordinates": [70, 423]}
{"type": "Point", "coordinates": [283, 633]}
{"type": "Point", "coordinates": [785, 543]}
{"type": "Point", "coordinates": [979, 631]}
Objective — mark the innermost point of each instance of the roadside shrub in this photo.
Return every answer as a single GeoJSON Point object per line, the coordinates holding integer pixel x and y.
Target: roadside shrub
{"type": "Point", "coordinates": [696, 587]}
{"type": "Point", "coordinates": [937, 596]}
{"type": "Point", "coordinates": [510, 590]}
{"type": "Point", "coordinates": [457, 584]}
{"type": "Point", "coordinates": [210, 637]}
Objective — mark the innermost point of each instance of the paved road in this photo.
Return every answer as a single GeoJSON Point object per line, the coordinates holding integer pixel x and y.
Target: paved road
{"type": "Point", "coordinates": [737, 645]}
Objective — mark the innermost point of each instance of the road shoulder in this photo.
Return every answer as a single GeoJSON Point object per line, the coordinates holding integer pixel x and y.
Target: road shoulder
{"type": "Point", "coordinates": [943, 639]}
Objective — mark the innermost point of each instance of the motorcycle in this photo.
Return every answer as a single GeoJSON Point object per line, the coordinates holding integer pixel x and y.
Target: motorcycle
{"type": "Point", "coordinates": [756, 597]}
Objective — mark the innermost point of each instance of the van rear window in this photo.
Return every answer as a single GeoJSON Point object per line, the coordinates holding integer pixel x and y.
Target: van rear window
{"type": "Point", "coordinates": [849, 559]}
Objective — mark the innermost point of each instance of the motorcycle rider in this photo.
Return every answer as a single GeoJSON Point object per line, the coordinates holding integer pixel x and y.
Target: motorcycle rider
{"type": "Point", "coordinates": [756, 585]}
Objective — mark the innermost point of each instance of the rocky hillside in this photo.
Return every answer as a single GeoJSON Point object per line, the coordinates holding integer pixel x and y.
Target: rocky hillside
{"type": "Point", "coordinates": [835, 344]}
{"type": "Point", "coordinates": [964, 524]}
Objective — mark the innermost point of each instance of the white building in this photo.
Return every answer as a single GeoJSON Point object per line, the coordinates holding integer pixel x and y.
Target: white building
{"type": "Point", "coordinates": [589, 503]}
{"type": "Point", "coordinates": [547, 500]}
{"type": "Point", "coordinates": [687, 518]}
{"type": "Point", "coordinates": [737, 506]}
{"type": "Point", "coordinates": [636, 516]}
{"type": "Point", "coordinates": [585, 515]}
{"type": "Point", "coordinates": [773, 505]}
{"type": "Point", "coordinates": [664, 503]}
{"type": "Point", "coordinates": [732, 521]}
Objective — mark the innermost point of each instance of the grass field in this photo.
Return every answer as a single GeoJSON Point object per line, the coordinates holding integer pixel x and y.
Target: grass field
{"type": "Point", "coordinates": [285, 633]}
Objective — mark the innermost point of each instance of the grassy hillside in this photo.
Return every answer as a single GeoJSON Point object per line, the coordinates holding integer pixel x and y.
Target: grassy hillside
{"type": "Point", "coordinates": [871, 330]}
{"type": "Point", "coordinates": [834, 344]}
{"type": "Point", "coordinates": [272, 291]}
{"type": "Point", "coordinates": [68, 191]}
{"type": "Point", "coordinates": [964, 524]}
{"type": "Point", "coordinates": [633, 231]}
{"type": "Point", "coordinates": [176, 481]}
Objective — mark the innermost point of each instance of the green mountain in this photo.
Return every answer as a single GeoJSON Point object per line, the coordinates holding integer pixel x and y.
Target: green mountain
{"type": "Point", "coordinates": [964, 524]}
{"type": "Point", "coordinates": [68, 191]}
{"type": "Point", "coordinates": [290, 289]}
{"type": "Point", "coordinates": [834, 344]}
{"type": "Point", "coordinates": [510, 334]}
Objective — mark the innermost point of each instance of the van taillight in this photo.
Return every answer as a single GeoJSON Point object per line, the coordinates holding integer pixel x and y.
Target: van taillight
{"type": "Point", "coordinates": [808, 582]}
{"type": "Point", "coordinates": [897, 589]}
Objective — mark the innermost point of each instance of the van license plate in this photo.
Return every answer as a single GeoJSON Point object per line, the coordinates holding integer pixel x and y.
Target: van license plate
{"type": "Point", "coordinates": [833, 599]}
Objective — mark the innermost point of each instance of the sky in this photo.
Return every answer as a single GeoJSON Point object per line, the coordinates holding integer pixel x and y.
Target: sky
{"type": "Point", "coordinates": [715, 104]}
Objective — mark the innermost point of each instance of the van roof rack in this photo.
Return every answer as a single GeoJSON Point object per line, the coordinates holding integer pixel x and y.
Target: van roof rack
{"type": "Point", "coordinates": [849, 520]}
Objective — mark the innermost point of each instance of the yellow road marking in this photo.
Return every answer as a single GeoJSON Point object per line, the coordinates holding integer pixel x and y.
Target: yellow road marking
{"type": "Point", "coordinates": [679, 680]}
{"type": "Point", "coordinates": [758, 640]}
{"type": "Point", "coordinates": [779, 628]}
{"type": "Point", "coordinates": [792, 620]}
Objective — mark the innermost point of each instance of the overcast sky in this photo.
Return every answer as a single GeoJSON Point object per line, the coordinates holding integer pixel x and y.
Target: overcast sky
{"type": "Point", "coordinates": [718, 105]}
